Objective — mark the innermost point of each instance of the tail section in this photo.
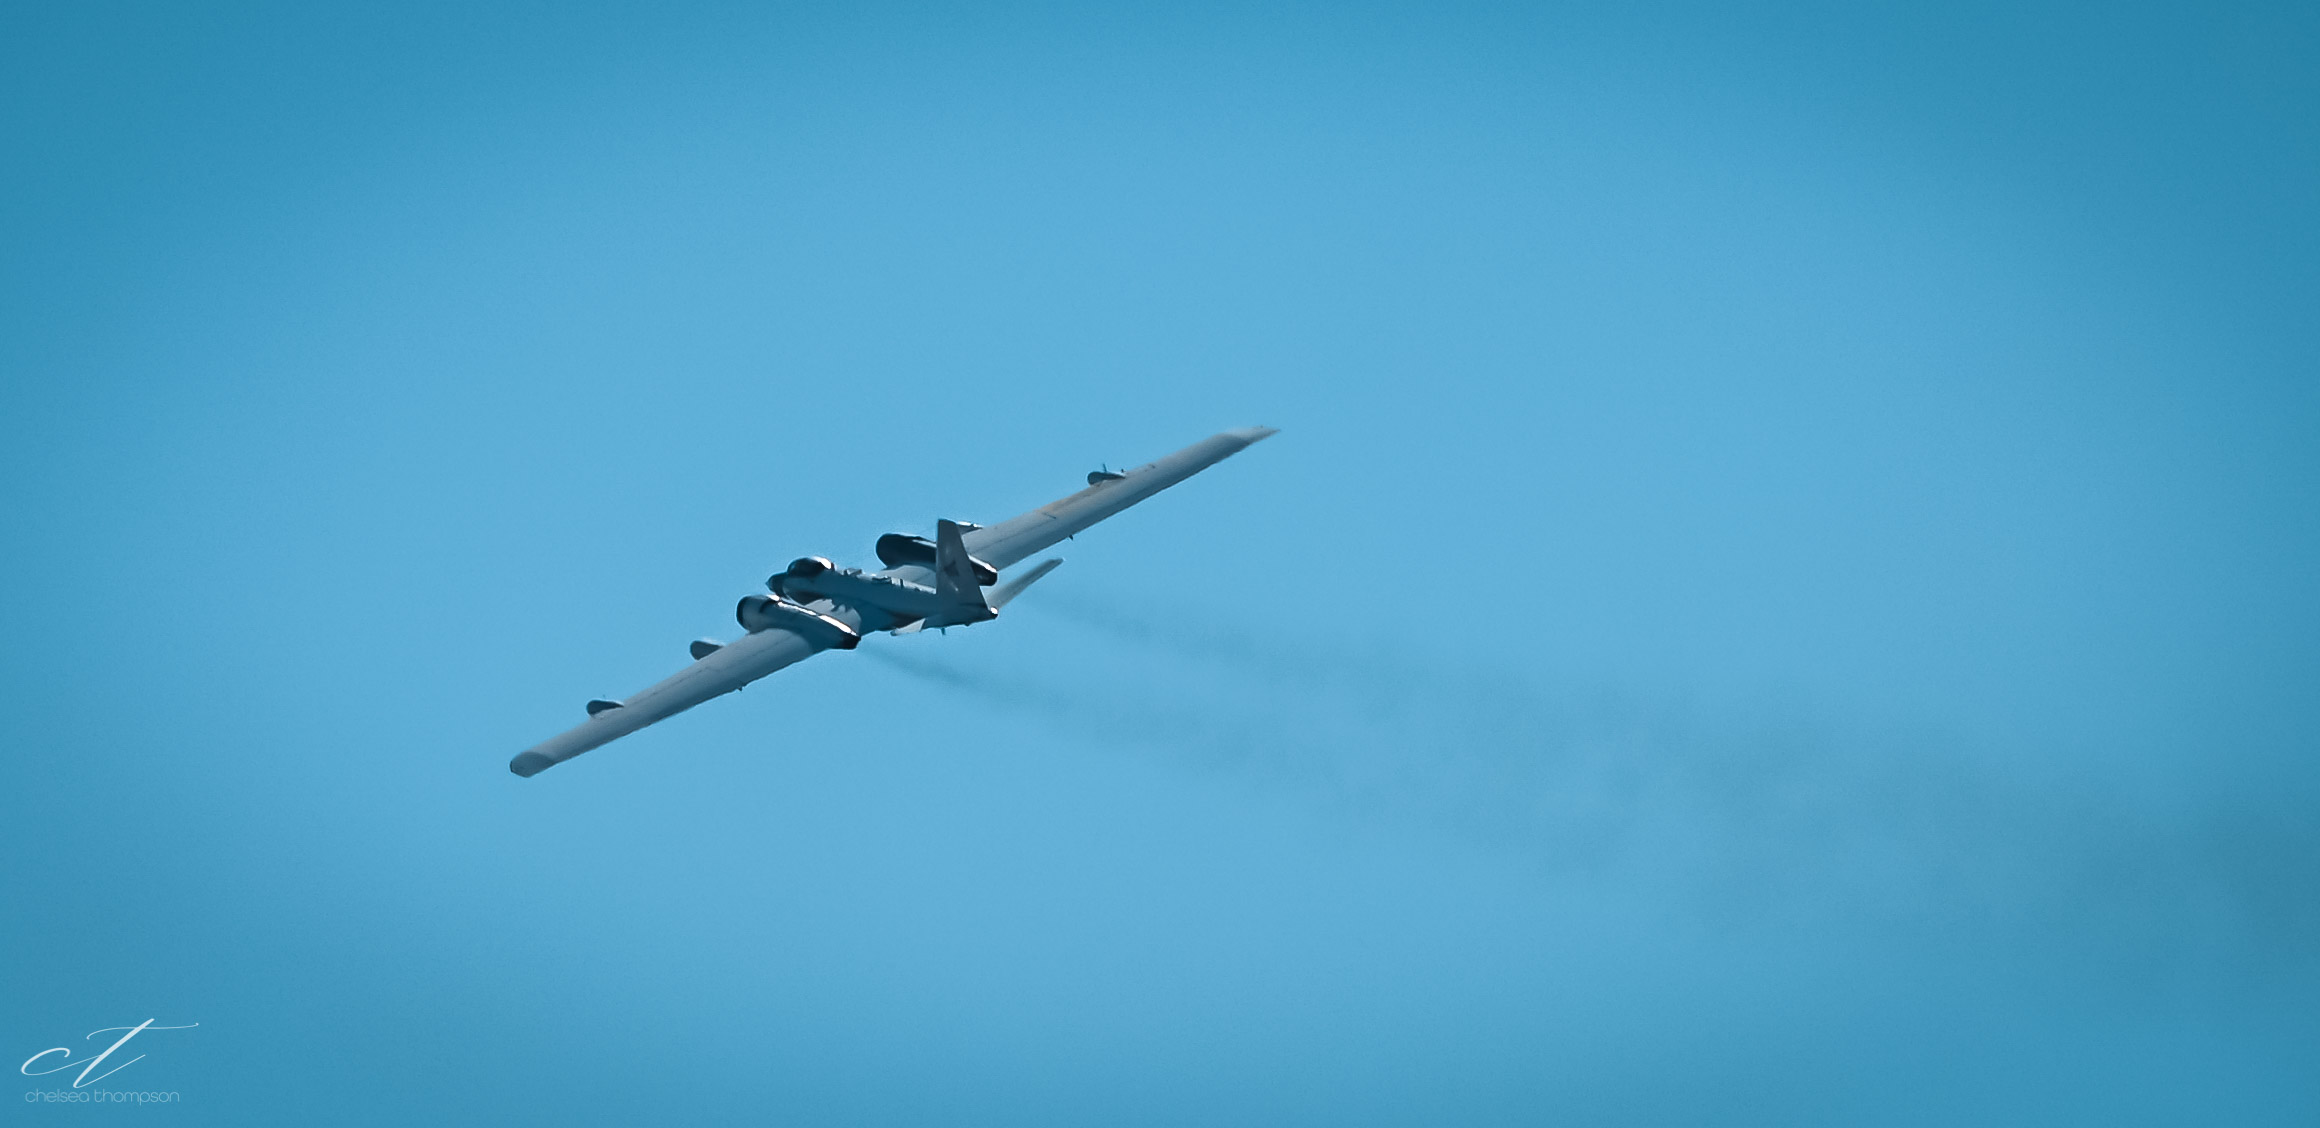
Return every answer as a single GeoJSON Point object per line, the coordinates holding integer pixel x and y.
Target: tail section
{"type": "Point", "coordinates": [955, 581]}
{"type": "Point", "coordinates": [954, 570]}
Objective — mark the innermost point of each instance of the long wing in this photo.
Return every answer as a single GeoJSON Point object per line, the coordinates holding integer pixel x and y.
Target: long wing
{"type": "Point", "coordinates": [720, 672]}
{"type": "Point", "coordinates": [1013, 541]}
{"type": "Point", "coordinates": [725, 669]}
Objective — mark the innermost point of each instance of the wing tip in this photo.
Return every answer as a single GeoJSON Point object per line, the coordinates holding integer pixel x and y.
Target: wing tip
{"type": "Point", "coordinates": [530, 764]}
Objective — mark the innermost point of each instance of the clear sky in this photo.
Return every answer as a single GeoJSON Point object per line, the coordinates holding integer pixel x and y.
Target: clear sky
{"type": "Point", "coordinates": [1783, 594]}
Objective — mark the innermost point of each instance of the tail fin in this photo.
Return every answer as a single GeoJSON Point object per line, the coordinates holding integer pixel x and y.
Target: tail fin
{"type": "Point", "coordinates": [955, 581]}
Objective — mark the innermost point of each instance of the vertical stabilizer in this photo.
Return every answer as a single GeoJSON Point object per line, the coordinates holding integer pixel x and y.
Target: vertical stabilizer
{"type": "Point", "coordinates": [955, 580]}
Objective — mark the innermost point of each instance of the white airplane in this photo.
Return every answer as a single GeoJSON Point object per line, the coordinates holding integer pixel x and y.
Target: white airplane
{"type": "Point", "coordinates": [815, 605]}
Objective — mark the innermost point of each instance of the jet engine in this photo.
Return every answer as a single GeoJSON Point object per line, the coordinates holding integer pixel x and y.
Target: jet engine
{"type": "Point", "coordinates": [898, 549]}
{"type": "Point", "coordinates": [770, 613]}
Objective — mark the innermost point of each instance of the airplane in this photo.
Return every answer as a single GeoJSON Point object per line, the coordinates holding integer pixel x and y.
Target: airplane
{"type": "Point", "coordinates": [814, 605]}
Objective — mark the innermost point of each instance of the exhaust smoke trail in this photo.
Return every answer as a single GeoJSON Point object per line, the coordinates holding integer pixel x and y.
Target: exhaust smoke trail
{"type": "Point", "coordinates": [1745, 816]}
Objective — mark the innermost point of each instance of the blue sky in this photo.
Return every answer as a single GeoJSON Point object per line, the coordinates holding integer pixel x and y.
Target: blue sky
{"type": "Point", "coordinates": [1782, 594]}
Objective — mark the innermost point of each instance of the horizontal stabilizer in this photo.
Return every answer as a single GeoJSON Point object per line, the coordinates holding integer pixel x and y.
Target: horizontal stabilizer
{"type": "Point", "coordinates": [599, 705]}
{"type": "Point", "coordinates": [1001, 595]}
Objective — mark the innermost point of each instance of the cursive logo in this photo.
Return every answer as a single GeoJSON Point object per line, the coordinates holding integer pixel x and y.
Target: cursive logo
{"type": "Point", "coordinates": [66, 1062]}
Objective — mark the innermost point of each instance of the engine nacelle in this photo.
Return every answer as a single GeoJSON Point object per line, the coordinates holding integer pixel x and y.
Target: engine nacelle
{"type": "Point", "coordinates": [804, 568]}
{"type": "Point", "coordinates": [898, 549]}
{"type": "Point", "coordinates": [770, 613]}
